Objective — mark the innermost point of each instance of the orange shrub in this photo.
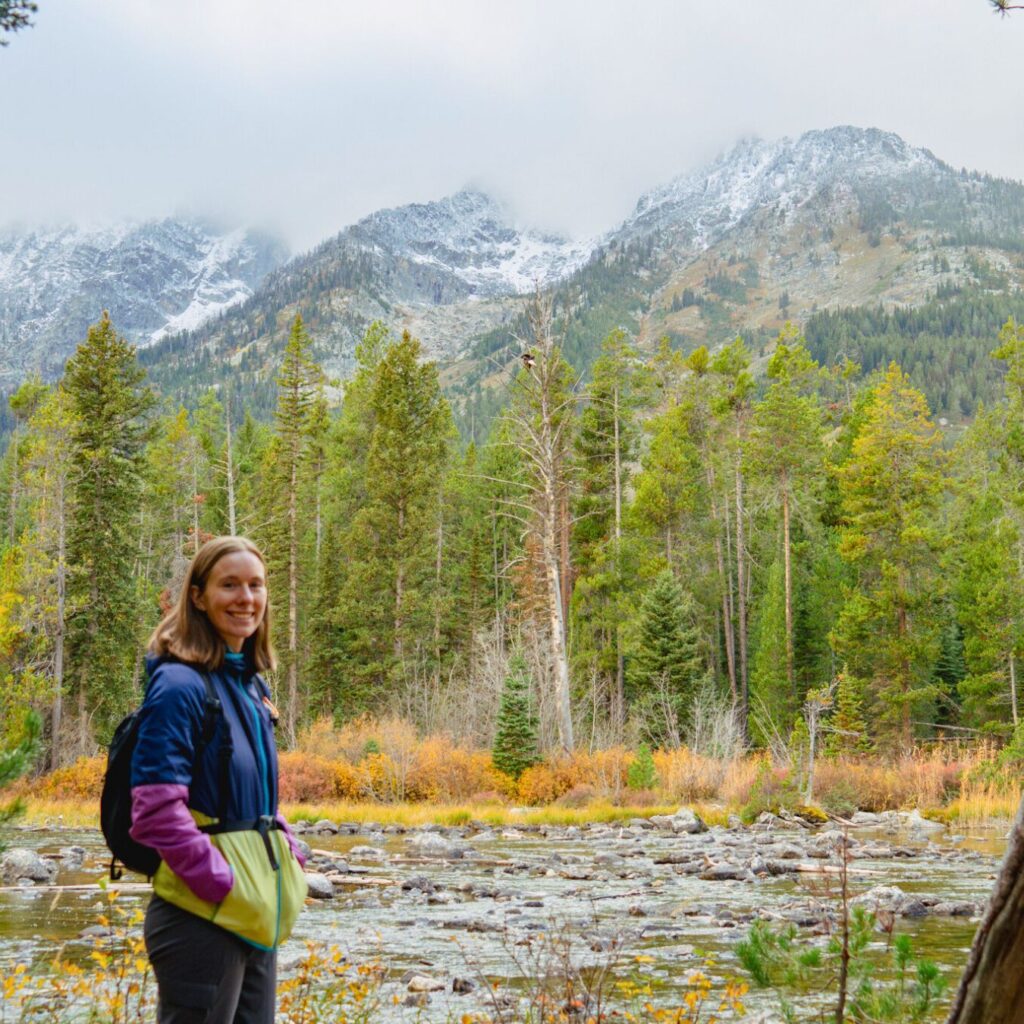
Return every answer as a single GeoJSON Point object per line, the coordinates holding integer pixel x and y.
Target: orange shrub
{"type": "Point", "coordinates": [605, 770]}
{"type": "Point", "coordinates": [546, 782]}
{"type": "Point", "coordinates": [381, 779]}
{"type": "Point", "coordinates": [739, 779]}
{"type": "Point", "coordinates": [687, 776]}
{"type": "Point", "coordinates": [442, 772]}
{"type": "Point", "coordinates": [82, 780]}
{"type": "Point", "coordinates": [348, 783]}
{"type": "Point", "coordinates": [321, 739]}
{"type": "Point", "coordinates": [578, 796]}
{"type": "Point", "coordinates": [305, 778]}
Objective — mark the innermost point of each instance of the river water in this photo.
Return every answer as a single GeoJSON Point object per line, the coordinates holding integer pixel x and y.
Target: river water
{"type": "Point", "coordinates": [608, 892]}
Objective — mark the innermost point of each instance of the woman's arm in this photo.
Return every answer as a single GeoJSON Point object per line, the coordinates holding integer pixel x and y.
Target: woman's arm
{"type": "Point", "coordinates": [169, 728]}
{"type": "Point", "coordinates": [161, 820]}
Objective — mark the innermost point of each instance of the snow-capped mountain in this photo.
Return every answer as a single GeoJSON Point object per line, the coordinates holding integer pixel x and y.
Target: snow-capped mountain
{"type": "Point", "coordinates": [155, 278]}
{"type": "Point", "coordinates": [783, 175]}
{"type": "Point", "coordinates": [469, 235]}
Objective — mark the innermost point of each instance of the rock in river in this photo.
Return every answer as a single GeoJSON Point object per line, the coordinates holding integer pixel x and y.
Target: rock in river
{"type": "Point", "coordinates": [319, 886]}
{"type": "Point", "coordinates": [424, 983]}
{"type": "Point", "coordinates": [20, 863]}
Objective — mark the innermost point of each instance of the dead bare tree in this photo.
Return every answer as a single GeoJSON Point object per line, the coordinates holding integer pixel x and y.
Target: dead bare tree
{"type": "Point", "coordinates": [816, 706]}
{"type": "Point", "coordinates": [541, 417]}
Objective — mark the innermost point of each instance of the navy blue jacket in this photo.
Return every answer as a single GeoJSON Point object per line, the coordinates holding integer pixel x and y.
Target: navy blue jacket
{"type": "Point", "coordinates": [171, 726]}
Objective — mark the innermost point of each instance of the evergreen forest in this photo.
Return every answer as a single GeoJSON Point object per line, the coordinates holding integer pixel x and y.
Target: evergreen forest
{"type": "Point", "coordinates": [672, 534]}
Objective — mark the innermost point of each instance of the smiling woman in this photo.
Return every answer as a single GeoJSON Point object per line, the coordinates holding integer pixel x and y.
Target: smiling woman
{"type": "Point", "coordinates": [234, 598]}
{"type": "Point", "coordinates": [204, 796]}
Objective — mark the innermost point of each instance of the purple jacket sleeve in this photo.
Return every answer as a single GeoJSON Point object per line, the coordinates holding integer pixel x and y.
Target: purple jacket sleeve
{"type": "Point", "coordinates": [161, 820]}
{"type": "Point", "coordinates": [296, 852]}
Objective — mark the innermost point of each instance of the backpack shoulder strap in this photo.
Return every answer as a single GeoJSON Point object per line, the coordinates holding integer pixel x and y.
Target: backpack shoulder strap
{"type": "Point", "coordinates": [213, 713]}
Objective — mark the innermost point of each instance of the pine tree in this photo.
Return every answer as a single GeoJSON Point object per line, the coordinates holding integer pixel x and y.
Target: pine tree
{"type": "Point", "coordinates": [109, 403]}
{"type": "Point", "coordinates": [891, 488]}
{"type": "Point", "coordinates": [44, 549]}
{"type": "Point", "coordinates": [515, 742]}
{"type": "Point", "coordinates": [298, 385]}
{"type": "Point", "coordinates": [848, 734]}
{"type": "Point", "coordinates": [606, 446]}
{"type": "Point", "coordinates": [641, 773]}
{"type": "Point", "coordinates": [665, 669]}
{"type": "Point", "coordinates": [785, 452]}
{"type": "Point", "coordinates": [386, 600]}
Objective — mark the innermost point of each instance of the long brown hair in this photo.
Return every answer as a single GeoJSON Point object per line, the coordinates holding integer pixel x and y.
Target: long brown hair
{"type": "Point", "coordinates": [186, 632]}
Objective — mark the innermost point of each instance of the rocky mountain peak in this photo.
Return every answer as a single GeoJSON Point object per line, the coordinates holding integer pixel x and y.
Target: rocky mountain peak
{"type": "Point", "coordinates": [471, 236]}
{"type": "Point", "coordinates": [706, 203]}
{"type": "Point", "coordinates": [155, 277]}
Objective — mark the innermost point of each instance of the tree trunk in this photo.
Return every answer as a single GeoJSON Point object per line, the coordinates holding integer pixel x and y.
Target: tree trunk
{"type": "Point", "coordinates": [788, 566]}
{"type": "Point", "coordinates": [556, 629]}
{"type": "Point", "coordinates": [292, 719]}
{"type": "Point", "coordinates": [229, 469]}
{"type": "Point", "coordinates": [438, 558]}
{"type": "Point", "coordinates": [725, 582]}
{"type": "Point", "coordinates": [396, 643]}
{"type": "Point", "coordinates": [58, 639]}
{"type": "Point", "coordinates": [906, 727]}
{"type": "Point", "coordinates": [741, 600]}
{"type": "Point", "coordinates": [619, 694]}
{"type": "Point", "coordinates": [1013, 688]}
{"type": "Point", "coordinates": [992, 987]}
{"type": "Point", "coordinates": [195, 498]}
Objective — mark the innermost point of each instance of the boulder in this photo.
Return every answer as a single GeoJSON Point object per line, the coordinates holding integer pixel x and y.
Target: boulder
{"type": "Point", "coordinates": [914, 821]}
{"type": "Point", "coordinates": [20, 863]}
{"type": "Point", "coordinates": [881, 897]}
{"type": "Point", "coordinates": [73, 857]}
{"type": "Point", "coordinates": [424, 983]}
{"type": "Point", "coordinates": [319, 886]}
{"type": "Point", "coordinates": [367, 853]}
{"type": "Point", "coordinates": [685, 820]}
{"type": "Point", "coordinates": [430, 844]}
{"type": "Point", "coordinates": [726, 873]}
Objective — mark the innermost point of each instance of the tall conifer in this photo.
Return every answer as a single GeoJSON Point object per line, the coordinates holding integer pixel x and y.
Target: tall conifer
{"type": "Point", "coordinates": [109, 404]}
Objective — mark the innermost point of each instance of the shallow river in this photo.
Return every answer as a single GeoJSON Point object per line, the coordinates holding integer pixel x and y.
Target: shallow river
{"type": "Point", "coordinates": [615, 892]}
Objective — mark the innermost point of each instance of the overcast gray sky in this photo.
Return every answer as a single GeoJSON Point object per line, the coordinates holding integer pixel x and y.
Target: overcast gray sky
{"type": "Point", "coordinates": [306, 116]}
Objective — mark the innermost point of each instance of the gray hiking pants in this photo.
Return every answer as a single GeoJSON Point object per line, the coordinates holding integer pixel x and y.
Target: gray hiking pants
{"type": "Point", "coordinates": [205, 975]}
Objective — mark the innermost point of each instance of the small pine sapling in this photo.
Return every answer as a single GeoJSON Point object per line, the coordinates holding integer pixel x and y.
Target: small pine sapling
{"type": "Point", "coordinates": [641, 773]}
{"type": "Point", "coordinates": [515, 743]}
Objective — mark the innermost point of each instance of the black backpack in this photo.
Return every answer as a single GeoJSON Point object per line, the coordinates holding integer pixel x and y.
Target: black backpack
{"type": "Point", "coordinates": [116, 800]}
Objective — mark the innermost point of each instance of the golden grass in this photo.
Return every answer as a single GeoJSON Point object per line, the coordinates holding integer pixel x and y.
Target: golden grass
{"type": "Point", "coordinates": [410, 815]}
{"type": "Point", "coordinates": [978, 805]}
{"type": "Point", "coordinates": [76, 813]}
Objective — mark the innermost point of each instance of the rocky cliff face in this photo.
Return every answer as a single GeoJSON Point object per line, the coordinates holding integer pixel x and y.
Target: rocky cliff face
{"type": "Point", "coordinates": [155, 278]}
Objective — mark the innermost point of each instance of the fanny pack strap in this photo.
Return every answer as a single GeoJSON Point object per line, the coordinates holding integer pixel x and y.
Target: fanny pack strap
{"type": "Point", "coordinates": [264, 824]}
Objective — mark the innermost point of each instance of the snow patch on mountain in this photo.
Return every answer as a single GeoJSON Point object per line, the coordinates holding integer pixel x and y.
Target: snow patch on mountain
{"type": "Point", "coordinates": [154, 277]}
{"type": "Point", "coordinates": [469, 235]}
{"type": "Point", "coordinates": [783, 175]}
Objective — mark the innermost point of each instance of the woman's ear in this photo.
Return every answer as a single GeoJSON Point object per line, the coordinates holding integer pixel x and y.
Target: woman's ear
{"type": "Point", "coordinates": [197, 597]}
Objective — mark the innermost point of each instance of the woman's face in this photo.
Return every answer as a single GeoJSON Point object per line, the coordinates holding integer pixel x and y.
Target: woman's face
{"type": "Point", "coordinates": [235, 597]}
